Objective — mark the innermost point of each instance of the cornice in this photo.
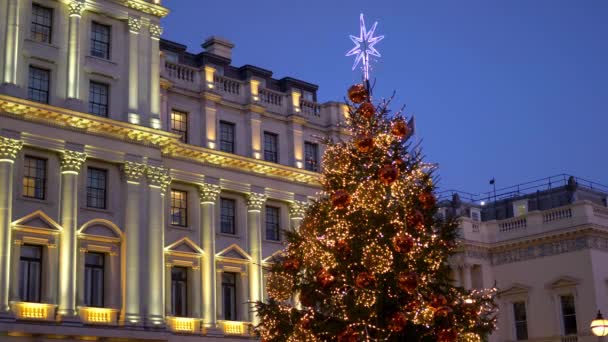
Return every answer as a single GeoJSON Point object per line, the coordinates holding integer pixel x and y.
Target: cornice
{"type": "Point", "coordinates": [168, 143]}
{"type": "Point", "coordinates": [147, 7]}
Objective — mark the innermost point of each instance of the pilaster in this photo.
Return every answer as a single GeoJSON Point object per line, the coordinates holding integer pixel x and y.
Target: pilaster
{"type": "Point", "coordinates": [134, 24]}
{"type": "Point", "coordinates": [155, 32]}
{"type": "Point", "coordinates": [208, 198]}
{"type": "Point", "coordinates": [12, 42]}
{"type": "Point", "coordinates": [297, 209]}
{"type": "Point", "coordinates": [255, 202]}
{"type": "Point", "coordinates": [75, 9]}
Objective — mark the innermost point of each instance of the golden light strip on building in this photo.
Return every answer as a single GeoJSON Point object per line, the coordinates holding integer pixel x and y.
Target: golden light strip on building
{"type": "Point", "coordinates": [34, 311]}
{"type": "Point", "coordinates": [234, 327]}
{"type": "Point", "coordinates": [184, 324]}
{"type": "Point", "coordinates": [98, 316]}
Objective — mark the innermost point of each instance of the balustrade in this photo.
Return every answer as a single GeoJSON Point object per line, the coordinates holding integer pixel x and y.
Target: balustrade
{"type": "Point", "coordinates": [558, 214]}
{"type": "Point", "coordinates": [180, 72]}
{"type": "Point", "coordinates": [227, 85]}
{"type": "Point", "coordinates": [511, 225]}
{"type": "Point", "coordinates": [270, 97]}
{"type": "Point", "coordinates": [310, 108]}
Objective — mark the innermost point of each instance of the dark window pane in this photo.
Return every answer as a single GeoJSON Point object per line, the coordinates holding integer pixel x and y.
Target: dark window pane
{"type": "Point", "coordinates": [38, 84]}
{"type": "Point", "coordinates": [179, 291]}
{"type": "Point", "coordinates": [229, 296]}
{"type": "Point", "coordinates": [270, 147]}
{"type": "Point", "coordinates": [311, 156]}
{"type": "Point", "coordinates": [30, 271]}
{"type": "Point", "coordinates": [179, 208]}
{"type": "Point", "coordinates": [226, 136]}
{"type": "Point", "coordinates": [94, 279]}
{"type": "Point", "coordinates": [100, 40]}
{"type": "Point", "coordinates": [521, 323]}
{"type": "Point", "coordinates": [227, 221]}
{"type": "Point", "coordinates": [179, 124]}
{"type": "Point", "coordinates": [34, 177]}
{"type": "Point", "coordinates": [42, 24]}
{"type": "Point", "coordinates": [272, 223]}
{"type": "Point", "coordinates": [96, 188]}
{"type": "Point", "coordinates": [569, 315]}
{"type": "Point", "coordinates": [98, 99]}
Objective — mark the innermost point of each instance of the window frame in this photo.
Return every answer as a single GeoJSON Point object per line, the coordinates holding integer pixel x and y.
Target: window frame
{"type": "Point", "coordinates": [36, 178]}
{"type": "Point", "coordinates": [231, 141]}
{"type": "Point", "coordinates": [89, 188]}
{"type": "Point", "coordinates": [184, 283]}
{"type": "Point", "coordinates": [183, 210]}
{"type": "Point", "coordinates": [272, 226]}
{"type": "Point", "coordinates": [183, 133]}
{"type": "Point", "coordinates": [232, 215]}
{"type": "Point", "coordinates": [35, 25]}
{"type": "Point", "coordinates": [234, 306]}
{"type": "Point", "coordinates": [311, 164]}
{"type": "Point", "coordinates": [94, 41]}
{"type": "Point", "coordinates": [105, 106]}
{"type": "Point", "coordinates": [29, 260]}
{"type": "Point", "coordinates": [269, 154]}
{"type": "Point", "coordinates": [89, 300]}
{"type": "Point", "coordinates": [31, 89]}
{"type": "Point", "coordinates": [517, 323]}
{"type": "Point", "coordinates": [564, 316]}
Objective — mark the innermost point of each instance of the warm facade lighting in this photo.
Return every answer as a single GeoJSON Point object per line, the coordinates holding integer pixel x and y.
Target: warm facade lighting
{"type": "Point", "coordinates": [599, 326]}
{"type": "Point", "coordinates": [134, 118]}
{"type": "Point", "coordinates": [234, 327]}
{"type": "Point", "coordinates": [184, 324]}
{"type": "Point", "coordinates": [102, 316]}
{"type": "Point", "coordinates": [209, 76]}
{"type": "Point", "coordinates": [34, 311]}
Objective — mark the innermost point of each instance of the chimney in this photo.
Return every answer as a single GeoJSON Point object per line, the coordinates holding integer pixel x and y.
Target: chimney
{"type": "Point", "coordinates": [218, 46]}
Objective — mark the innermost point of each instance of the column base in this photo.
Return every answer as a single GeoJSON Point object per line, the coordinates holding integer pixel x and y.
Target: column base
{"type": "Point", "coordinates": [7, 315]}
{"type": "Point", "coordinates": [75, 104]}
{"type": "Point", "coordinates": [155, 322]}
{"type": "Point", "coordinates": [69, 317]}
{"type": "Point", "coordinates": [213, 332]}
{"type": "Point", "coordinates": [132, 320]}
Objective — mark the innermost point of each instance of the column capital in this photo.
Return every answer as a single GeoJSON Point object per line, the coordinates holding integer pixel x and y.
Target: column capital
{"type": "Point", "coordinates": [134, 24]}
{"type": "Point", "coordinates": [158, 176]}
{"type": "Point", "coordinates": [297, 209]}
{"type": "Point", "coordinates": [155, 31]}
{"type": "Point", "coordinates": [71, 161]}
{"type": "Point", "coordinates": [209, 192]}
{"type": "Point", "coordinates": [76, 7]}
{"type": "Point", "coordinates": [9, 148]}
{"type": "Point", "coordinates": [133, 171]}
{"type": "Point", "coordinates": [255, 201]}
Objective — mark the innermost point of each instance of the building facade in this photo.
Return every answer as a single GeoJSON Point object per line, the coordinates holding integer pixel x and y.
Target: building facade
{"type": "Point", "coordinates": [143, 187]}
{"type": "Point", "coordinates": [544, 246]}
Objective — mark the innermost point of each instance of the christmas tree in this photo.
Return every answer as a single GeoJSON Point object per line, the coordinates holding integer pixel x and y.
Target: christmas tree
{"type": "Point", "coordinates": [370, 259]}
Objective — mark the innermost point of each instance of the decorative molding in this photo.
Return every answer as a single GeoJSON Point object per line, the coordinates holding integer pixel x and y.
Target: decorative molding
{"type": "Point", "coordinates": [155, 31]}
{"type": "Point", "coordinates": [146, 7]}
{"type": "Point", "coordinates": [76, 7]}
{"type": "Point", "coordinates": [297, 209]}
{"type": "Point", "coordinates": [255, 201]}
{"type": "Point", "coordinates": [72, 160]}
{"type": "Point", "coordinates": [9, 148]}
{"type": "Point", "coordinates": [134, 24]}
{"type": "Point", "coordinates": [133, 171]}
{"type": "Point", "coordinates": [209, 192]}
{"type": "Point", "coordinates": [158, 176]}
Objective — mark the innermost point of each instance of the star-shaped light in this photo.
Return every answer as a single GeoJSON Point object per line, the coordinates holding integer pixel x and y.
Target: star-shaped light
{"type": "Point", "coordinates": [364, 46]}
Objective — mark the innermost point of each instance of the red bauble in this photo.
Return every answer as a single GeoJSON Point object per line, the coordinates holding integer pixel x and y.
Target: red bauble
{"type": "Point", "coordinates": [340, 199]}
{"type": "Point", "coordinates": [324, 277]}
{"type": "Point", "coordinates": [443, 311]}
{"type": "Point", "coordinates": [415, 220]}
{"type": "Point", "coordinates": [364, 143]}
{"type": "Point", "coordinates": [367, 110]}
{"type": "Point", "coordinates": [291, 264]}
{"type": "Point", "coordinates": [427, 199]}
{"type": "Point", "coordinates": [398, 322]}
{"type": "Point", "coordinates": [342, 248]}
{"type": "Point", "coordinates": [364, 280]}
{"type": "Point", "coordinates": [357, 93]}
{"type": "Point", "coordinates": [438, 301]}
{"type": "Point", "coordinates": [399, 128]}
{"type": "Point", "coordinates": [447, 335]}
{"type": "Point", "coordinates": [408, 281]}
{"type": "Point", "coordinates": [403, 243]}
{"type": "Point", "coordinates": [388, 174]}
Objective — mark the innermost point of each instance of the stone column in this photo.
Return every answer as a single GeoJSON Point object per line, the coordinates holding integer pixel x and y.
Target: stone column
{"type": "Point", "coordinates": [297, 209]}
{"type": "Point", "coordinates": [158, 180]}
{"type": "Point", "coordinates": [11, 52]}
{"type": "Point", "coordinates": [168, 267]}
{"type": "Point", "coordinates": [467, 283]}
{"type": "Point", "coordinates": [51, 263]}
{"type": "Point", "coordinates": [155, 32]}
{"type": "Point", "coordinates": [82, 251]}
{"type": "Point", "coordinates": [218, 287]}
{"type": "Point", "coordinates": [8, 152]}
{"type": "Point", "coordinates": [255, 202]}
{"type": "Point", "coordinates": [71, 161]}
{"type": "Point", "coordinates": [208, 197]}
{"type": "Point", "coordinates": [15, 258]}
{"type": "Point", "coordinates": [133, 115]}
{"type": "Point", "coordinates": [76, 7]}
{"type": "Point", "coordinates": [195, 273]}
{"type": "Point", "coordinates": [244, 312]}
{"type": "Point", "coordinates": [114, 299]}
{"type": "Point", "coordinates": [134, 235]}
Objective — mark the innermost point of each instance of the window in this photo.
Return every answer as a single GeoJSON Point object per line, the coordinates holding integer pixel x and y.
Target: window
{"type": "Point", "coordinates": [98, 99]}
{"type": "Point", "coordinates": [229, 295]}
{"type": "Point", "coordinates": [568, 315]}
{"type": "Point", "coordinates": [520, 319]}
{"type": "Point", "coordinates": [38, 85]}
{"type": "Point", "coordinates": [179, 291]}
{"type": "Point", "coordinates": [226, 136]}
{"type": "Point", "coordinates": [270, 147]}
{"type": "Point", "coordinates": [42, 24]}
{"type": "Point", "coordinates": [311, 155]}
{"type": "Point", "coordinates": [179, 124]}
{"type": "Point", "coordinates": [94, 279]}
{"type": "Point", "coordinates": [100, 40]}
{"type": "Point", "coordinates": [34, 177]}
{"type": "Point", "coordinates": [30, 271]}
{"type": "Point", "coordinates": [272, 223]}
{"type": "Point", "coordinates": [96, 188]}
{"type": "Point", "coordinates": [179, 208]}
{"type": "Point", "coordinates": [227, 207]}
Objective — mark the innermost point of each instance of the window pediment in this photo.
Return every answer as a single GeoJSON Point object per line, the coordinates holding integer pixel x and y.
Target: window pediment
{"type": "Point", "coordinates": [234, 253]}
{"type": "Point", "coordinates": [185, 246]}
{"type": "Point", "coordinates": [563, 282]}
{"type": "Point", "coordinates": [515, 290]}
{"type": "Point", "coordinates": [37, 220]}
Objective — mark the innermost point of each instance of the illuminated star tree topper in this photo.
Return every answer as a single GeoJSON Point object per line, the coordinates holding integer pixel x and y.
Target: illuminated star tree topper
{"type": "Point", "coordinates": [364, 46]}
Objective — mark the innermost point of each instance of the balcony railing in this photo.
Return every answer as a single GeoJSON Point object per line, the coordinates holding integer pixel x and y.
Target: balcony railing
{"type": "Point", "coordinates": [184, 325]}
{"type": "Point", "coordinates": [235, 327]}
{"type": "Point", "coordinates": [34, 311]}
{"type": "Point", "coordinates": [310, 108]}
{"type": "Point", "coordinates": [513, 224]}
{"type": "Point", "coordinates": [227, 85]}
{"type": "Point", "coordinates": [99, 316]}
{"type": "Point", "coordinates": [180, 72]}
{"type": "Point", "coordinates": [272, 98]}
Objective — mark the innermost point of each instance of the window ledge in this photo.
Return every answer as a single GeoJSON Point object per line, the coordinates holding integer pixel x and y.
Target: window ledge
{"type": "Point", "coordinates": [234, 236]}
{"type": "Point", "coordinates": [106, 211]}
{"type": "Point", "coordinates": [34, 200]}
{"type": "Point", "coordinates": [276, 242]}
{"type": "Point", "coordinates": [42, 43]}
{"type": "Point", "coordinates": [172, 226]}
{"type": "Point", "coordinates": [103, 60]}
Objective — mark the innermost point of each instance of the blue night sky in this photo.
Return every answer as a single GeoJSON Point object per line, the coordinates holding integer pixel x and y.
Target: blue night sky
{"type": "Point", "coordinates": [511, 89]}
